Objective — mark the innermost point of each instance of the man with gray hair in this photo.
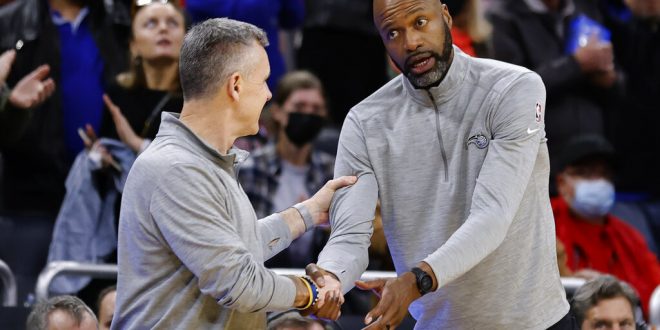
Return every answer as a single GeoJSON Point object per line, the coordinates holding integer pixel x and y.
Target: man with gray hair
{"type": "Point", "coordinates": [61, 312]}
{"type": "Point", "coordinates": [605, 303]}
{"type": "Point", "coordinates": [191, 250]}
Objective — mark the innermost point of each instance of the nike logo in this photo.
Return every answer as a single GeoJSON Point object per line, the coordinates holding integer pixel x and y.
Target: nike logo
{"type": "Point", "coordinates": [532, 131]}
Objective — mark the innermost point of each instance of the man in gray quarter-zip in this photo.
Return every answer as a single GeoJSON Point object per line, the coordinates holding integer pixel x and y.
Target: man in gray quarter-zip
{"type": "Point", "coordinates": [191, 250]}
{"type": "Point", "coordinates": [455, 149]}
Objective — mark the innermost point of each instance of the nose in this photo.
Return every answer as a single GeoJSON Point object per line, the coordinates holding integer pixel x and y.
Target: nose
{"type": "Point", "coordinates": [162, 26]}
{"type": "Point", "coordinates": [413, 40]}
{"type": "Point", "coordinates": [269, 95]}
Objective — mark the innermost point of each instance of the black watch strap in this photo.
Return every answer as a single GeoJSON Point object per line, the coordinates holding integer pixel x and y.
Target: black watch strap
{"type": "Point", "coordinates": [423, 279]}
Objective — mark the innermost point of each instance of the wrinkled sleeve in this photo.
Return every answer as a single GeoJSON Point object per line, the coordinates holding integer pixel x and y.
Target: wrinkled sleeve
{"type": "Point", "coordinates": [502, 180]}
{"type": "Point", "coordinates": [352, 210]}
{"type": "Point", "coordinates": [275, 235]}
{"type": "Point", "coordinates": [193, 217]}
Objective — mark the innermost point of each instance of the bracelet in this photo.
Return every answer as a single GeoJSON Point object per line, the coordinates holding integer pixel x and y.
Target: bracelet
{"type": "Point", "coordinates": [306, 216]}
{"type": "Point", "coordinates": [313, 292]}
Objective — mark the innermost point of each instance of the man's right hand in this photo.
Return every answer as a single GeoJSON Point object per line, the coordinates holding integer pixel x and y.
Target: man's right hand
{"type": "Point", "coordinates": [33, 89]}
{"type": "Point", "coordinates": [319, 204]}
{"type": "Point", "coordinates": [331, 307]}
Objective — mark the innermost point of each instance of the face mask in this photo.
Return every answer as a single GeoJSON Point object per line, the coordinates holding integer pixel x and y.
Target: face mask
{"type": "Point", "coordinates": [593, 198]}
{"type": "Point", "coordinates": [303, 128]}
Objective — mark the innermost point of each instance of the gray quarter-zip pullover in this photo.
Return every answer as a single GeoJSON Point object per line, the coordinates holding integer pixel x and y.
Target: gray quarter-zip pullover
{"type": "Point", "coordinates": [191, 250]}
{"type": "Point", "coordinates": [461, 171]}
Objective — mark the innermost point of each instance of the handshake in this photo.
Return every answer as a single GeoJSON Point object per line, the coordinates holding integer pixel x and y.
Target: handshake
{"type": "Point", "coordinates": [395, 294]}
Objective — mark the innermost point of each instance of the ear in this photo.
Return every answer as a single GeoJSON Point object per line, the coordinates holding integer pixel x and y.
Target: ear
{"type": "Point", "coordinates": [234, 86]}
{"type": "Point", "coordinates": [447, 16]}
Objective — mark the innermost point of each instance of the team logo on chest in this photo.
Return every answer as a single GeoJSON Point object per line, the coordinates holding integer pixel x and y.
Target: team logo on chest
{"type": "Point", "coordinates": [479, 140]}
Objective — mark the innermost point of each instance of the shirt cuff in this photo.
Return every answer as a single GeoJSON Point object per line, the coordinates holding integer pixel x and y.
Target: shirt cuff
{"type": "Point", "coordinates": [306, 215]}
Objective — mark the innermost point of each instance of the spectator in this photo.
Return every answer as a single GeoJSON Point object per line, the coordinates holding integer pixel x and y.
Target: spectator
{"type": "Point", "coordinates": [290, 170]}
{"type": "Point", "coordinates": [534, 34]}
{"type": "Point", "coordinates": [470, 31]}
{"type": "Point", "coordinates": [270, 15]}
{"type": "Point", "coordinates": [343, 24]}
{"type": "Point", "coordinates": [61, 312]}
{"type": "Point", "coordinates": [16, 104]}
{"type": "Point", "coordinates": [595, 240]}
{"type": "Point", "coordinates": [90, 37]}
{"type": "Point", "coordinates": [636, 41]}
{"type": "Point", "coordinates": [605, 303]}
{"type": "Point", "coordinates": [291, 320]}
{"type": "Point", "coordinates": [150, 86]}
{"type": "Point", "coordinates": [105, 305]}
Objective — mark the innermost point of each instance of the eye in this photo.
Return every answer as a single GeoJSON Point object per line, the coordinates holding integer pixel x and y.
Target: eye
{"type": "Point", "coordinates": [421, 22]}
{"type": "Point", "coordinates": [151, 23]}
{"type": "Point", "coordinates": [172, 23]}
{"type": "Point", "coordinates": [392, 34]}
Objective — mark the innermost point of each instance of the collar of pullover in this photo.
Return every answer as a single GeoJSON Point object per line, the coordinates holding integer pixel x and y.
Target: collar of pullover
{"type": "Point", "coordinates": [449, 85]}
{"type": "Point", "coordinates": [172, 126]}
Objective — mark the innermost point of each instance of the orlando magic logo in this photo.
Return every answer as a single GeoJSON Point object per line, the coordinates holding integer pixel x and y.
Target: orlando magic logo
{"type": "Point", "coordinates": [479, 140]}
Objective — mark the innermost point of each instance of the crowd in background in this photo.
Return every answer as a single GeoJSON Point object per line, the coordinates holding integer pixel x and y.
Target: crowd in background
{"type": "Point", "coordinates": [83, 85]}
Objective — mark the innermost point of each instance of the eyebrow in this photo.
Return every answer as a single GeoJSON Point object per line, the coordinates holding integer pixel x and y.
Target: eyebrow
{"type": "Point", "coordinates": [387, 23]}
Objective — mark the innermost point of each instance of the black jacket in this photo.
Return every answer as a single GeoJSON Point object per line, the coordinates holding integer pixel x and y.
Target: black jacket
{"type": "Point", "coordinates": [636, 139]}
{"type": "Point", "coordinates": [523, 37]}
{"type": "Point", "coordinates": [35, 162]}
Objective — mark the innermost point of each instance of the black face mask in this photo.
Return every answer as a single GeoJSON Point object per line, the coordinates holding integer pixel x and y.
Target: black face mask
{"type": "Point", "coordinates": [303, 128]}
{"type": "Point", "coordinates": [455, 6]}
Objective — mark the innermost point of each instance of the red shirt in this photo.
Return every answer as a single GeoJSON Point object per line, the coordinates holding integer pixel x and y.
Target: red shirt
{"type": "Point", "coordinates": [462, 40]}
{"type": "Point", "coordinates": [614, 248]}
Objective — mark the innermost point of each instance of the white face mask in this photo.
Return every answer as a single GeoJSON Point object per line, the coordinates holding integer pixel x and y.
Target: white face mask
{"type": "Point", "coordinates": [593, 198]}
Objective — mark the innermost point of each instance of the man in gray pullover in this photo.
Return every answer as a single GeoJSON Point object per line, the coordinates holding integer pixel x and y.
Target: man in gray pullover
{"type": "Point", "coordinates": [455, 149]}
{"type": "Point", "coordinates": [191, 250]}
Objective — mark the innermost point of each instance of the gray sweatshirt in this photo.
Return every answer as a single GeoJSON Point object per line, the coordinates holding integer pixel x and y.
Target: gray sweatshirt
{"type": "Point", "coordinates": [461, 171]}
{"type": "Point", "coordinates": [191, 250]}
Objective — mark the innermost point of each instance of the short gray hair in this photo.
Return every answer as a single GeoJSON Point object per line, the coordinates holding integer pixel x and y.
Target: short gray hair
{"type": "Point", "coordinates": [601, 288]}
{"type": "Point", "coordinates": [211, 51]}
{"type": "Point", "coordinates": [76, 308]}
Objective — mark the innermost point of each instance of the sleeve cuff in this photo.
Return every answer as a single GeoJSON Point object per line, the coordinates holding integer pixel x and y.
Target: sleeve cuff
{"type": "Point", "coordinates": [306, 215]}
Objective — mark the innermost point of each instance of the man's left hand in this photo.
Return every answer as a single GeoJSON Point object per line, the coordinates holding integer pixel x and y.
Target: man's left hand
{"type": "Point", "coordinates": [395, 297]}
{"type": "Point", "coordinates": [319, 204]}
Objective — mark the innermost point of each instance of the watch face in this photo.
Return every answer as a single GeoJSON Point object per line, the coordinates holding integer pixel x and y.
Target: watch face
{"type": "Point", "coordinates": [427, 283]}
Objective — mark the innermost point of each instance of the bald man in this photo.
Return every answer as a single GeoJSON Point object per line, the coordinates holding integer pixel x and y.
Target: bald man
{"type": "Point", "coordinates": [455, 149]}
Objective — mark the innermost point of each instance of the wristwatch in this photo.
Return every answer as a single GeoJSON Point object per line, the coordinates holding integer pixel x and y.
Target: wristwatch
{"type": "Point", "coordinates": [424, 280]}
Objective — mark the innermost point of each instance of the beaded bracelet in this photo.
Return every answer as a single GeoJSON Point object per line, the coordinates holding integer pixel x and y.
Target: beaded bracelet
{"type": "Point", "coordinates": [313, 292]}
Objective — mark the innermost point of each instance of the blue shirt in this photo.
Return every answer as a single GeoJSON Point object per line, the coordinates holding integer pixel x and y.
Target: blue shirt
{"type": "Point", "coordinates": [270, 15]}
{"type": "Point", "coordinates": [81, 78]}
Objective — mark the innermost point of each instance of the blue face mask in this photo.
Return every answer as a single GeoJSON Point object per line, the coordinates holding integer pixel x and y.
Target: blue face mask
{"type": "Point", "coordinates": [593, 198]}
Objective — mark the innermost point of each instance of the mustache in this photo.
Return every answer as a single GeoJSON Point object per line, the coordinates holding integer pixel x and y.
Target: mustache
{"type": "Point", "coordinates": [417, 55]}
